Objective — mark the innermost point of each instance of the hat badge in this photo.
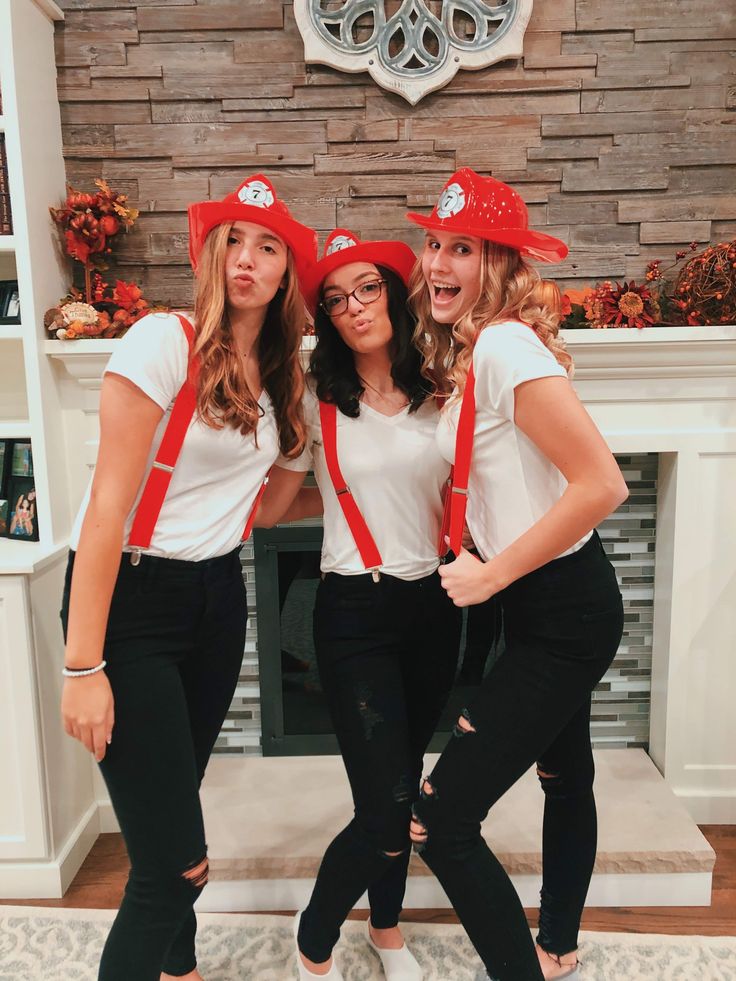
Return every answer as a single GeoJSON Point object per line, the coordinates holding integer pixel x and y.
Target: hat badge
{"type": "Point", "coordinates": [452, 201]}
{"type": "Point", "coordinates": [256, 193]}
{"type": "Point", "coordinates": [339, 243]}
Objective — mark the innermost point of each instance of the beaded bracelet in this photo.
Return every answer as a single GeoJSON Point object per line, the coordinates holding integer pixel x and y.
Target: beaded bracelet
{"type": "Point", "coordinates": [82, 672]}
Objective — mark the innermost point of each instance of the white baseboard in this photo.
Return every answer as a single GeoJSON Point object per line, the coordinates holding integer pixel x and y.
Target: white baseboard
{"type": "Point", "coordinates": [51, 879]}
{"type": "Point", "coordinates": [108, 821]}
{"type": "Point", "coordinates": [424, 892]}
{"type": "Point", "coordinates": [710, 808]}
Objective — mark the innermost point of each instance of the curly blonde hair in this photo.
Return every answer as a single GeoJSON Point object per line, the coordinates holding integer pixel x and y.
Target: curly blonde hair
{"type": "Point", "coordinates": [223, 396]}
{"type": "Point", "coordinates": [510, 289]}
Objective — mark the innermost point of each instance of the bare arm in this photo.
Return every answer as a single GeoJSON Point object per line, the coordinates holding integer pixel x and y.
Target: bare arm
{"type": "Point", "coordinates": [286, 500]}
{"type": "Point", "coordinates": [128, 420]}
{"type": "Point", "coordinates": [548, 411]}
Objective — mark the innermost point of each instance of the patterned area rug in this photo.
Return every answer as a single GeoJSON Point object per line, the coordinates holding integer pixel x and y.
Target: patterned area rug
{"type": "Point", "coordinates": [65, 944]}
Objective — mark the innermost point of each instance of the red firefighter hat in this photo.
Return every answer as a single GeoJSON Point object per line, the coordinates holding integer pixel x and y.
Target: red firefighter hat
{"type": "Point", "coordinates": [254, 200]}
{"type": "Point", "coordinates": [343, 247]}
{"type": "Point", "coordinates": [486, 208]}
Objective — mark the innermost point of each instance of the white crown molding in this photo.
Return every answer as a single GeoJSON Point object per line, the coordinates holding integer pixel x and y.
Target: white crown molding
{"type": "Point", "coordinates": [48, 7]}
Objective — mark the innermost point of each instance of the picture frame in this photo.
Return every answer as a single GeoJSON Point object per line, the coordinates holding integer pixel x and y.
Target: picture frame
{"type": "Point", "coordinates": [21, 460]}
{"type": "Point", "coordinates": [23, 511]}
{"type": "Point", "coordinates": [4, 517]}
{"type": "Point", "coordinates": [6, 451]}
{"type": "Point", "coordinates": [9, 302]}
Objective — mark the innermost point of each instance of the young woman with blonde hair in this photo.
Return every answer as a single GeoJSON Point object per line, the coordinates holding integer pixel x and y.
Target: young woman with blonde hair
{"type": "Point", "coordinates": [537, 477]}
{"type": "Point", "coordinates": [192, 417]}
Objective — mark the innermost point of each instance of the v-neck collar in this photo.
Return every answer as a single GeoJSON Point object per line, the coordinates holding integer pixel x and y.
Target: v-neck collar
{"type": "Point", "coordinates": [382, 416]}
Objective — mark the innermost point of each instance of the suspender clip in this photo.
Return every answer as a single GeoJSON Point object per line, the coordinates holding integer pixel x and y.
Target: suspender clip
{"type": "Point", "coordinates": [135, 557]}
{"type": "Point", "coordinates": [460, 490]}
{"type": "Point", "coordinates": [162, 466]}
{"type": "Point", "coordinates": [342, 490]}
{"type": "Point", "coordinates": [376, 574]}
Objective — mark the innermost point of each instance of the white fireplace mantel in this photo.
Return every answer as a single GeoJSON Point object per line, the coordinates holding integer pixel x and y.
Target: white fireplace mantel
{"type": "Point", "coordinates": [670, 391]}
{"type": "Point", "coordinates": [657, 352]}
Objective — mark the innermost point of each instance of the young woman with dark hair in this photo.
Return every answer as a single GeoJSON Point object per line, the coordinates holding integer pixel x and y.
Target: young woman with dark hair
{"type": "Point", "coordinates": [192, 417]}
{"type": "Point", "coordinates": [386, 634]}
{"type": "Point", "coordinates": [537, 477]}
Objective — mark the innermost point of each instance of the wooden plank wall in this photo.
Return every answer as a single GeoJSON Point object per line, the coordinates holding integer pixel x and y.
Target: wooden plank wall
{"type": "Point", "coordinates": [617, 127]}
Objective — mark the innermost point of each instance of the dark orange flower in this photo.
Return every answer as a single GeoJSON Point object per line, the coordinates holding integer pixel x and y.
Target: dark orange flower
{"type": "Point", "coordinates": [126, 295]}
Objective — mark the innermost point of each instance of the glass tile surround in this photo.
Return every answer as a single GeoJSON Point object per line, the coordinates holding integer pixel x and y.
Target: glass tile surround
{"type": "Point", "coordinates": [620, 716]}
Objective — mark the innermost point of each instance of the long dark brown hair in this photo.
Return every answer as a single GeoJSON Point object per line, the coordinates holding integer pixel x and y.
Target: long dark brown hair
{"type": "Point", "coordinates": [223, 396]}
{"type": "Point", "coordinates": [332, 364]}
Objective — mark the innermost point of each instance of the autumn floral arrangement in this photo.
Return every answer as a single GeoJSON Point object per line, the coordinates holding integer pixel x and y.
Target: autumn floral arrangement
{"type": "Point", "coordinates": [89, 225]}
{"type": "Point", "coordinates": [702, 291]}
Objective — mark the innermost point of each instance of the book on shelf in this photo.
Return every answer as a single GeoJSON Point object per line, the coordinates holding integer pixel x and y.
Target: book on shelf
{"type": "Point", "coordinates": [6, 218]}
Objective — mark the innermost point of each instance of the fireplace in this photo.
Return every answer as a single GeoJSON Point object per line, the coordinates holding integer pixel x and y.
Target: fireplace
{"type": "Point", "coordinates": [295, 718]}
{"type": "Point", "coordinates": [294, 715]}
{"type": "Point", "coordinates": [667, 394]}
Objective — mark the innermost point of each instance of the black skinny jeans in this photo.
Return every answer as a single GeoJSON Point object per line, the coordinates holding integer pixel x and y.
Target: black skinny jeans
{"type": "Point", "coordinates": [174, 645]}
{"type": "Point", "coordinates": [563, 625]}
{"type": "Point", "coordinates": [387, 654]}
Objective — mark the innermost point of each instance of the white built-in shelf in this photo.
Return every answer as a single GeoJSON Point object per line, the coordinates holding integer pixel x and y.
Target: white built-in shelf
{"type": "Point", "coordinates": [15, 429]}
{"type": "Point", "coordinates": [18, 558]}
{"type": "Point", "coordinates": [11, 332]}
{"type": "Point", "coordinates": [7, 243]}
{"type": "Point", "coordinates": [2, 124]}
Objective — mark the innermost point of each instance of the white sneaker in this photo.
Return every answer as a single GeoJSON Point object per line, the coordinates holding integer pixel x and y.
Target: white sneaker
{"type": "Point", "coordinates": [398, 965]}
{"type": "Point", "coordinates": [304, 973]}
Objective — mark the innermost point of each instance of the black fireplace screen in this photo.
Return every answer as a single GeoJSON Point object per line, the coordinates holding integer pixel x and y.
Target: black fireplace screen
{"type": "Point", "coordinates": [294, 714]}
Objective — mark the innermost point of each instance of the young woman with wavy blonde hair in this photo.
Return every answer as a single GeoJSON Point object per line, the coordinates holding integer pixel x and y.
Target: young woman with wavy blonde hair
{"type": "Point", "coordinates": [192, 417]}
{"type": "Point", "coordinates": [537, 477]}
{"type": "Point", "coordinates": [508, 289]}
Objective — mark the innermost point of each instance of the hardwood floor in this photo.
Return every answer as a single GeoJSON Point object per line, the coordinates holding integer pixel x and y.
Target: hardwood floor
{"type": "Point", "coordinates": [100, 882]}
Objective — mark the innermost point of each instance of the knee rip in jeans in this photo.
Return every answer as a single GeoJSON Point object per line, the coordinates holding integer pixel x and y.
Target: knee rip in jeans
{"type": "Point", "coordinates": [417, 830]}
{"type": "Point", "coordinates": [369, 717]}
{"type": "Point", "coordinates": [549, 781]}
{"type": "Point", "coordinates": [198, 873]}
{"type": "Point", "coordinates": [463, 726]}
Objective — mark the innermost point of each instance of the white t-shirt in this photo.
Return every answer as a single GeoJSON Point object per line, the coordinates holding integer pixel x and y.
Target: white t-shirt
{"type": "Point", "coordinates": [219, 471]}
{"type": "Point", "coordinates": [512, 484]}
{"type": "Point", "coordinates": [396, 474]}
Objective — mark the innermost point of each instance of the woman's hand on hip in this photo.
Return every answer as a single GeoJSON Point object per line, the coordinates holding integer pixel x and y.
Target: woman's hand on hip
{"type": "Point", "coordinates": [468, 580]}
{"type": "Point", "coordinates": [88, 711]}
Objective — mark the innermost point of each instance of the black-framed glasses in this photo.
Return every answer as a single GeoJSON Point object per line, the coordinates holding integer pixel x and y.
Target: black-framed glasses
{"type": "Point", "coordinates": [337, 303]}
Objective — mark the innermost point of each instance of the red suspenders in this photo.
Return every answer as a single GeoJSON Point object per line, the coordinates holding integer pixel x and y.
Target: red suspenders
{"type": "Point", "coordinates": [456, 501]}
{"type": "Point", "coordinates": [456, 498]}
{"type": "Point", "coordinates": [364, 542]}
{"type": "Point", "coordinates": [159, 478]}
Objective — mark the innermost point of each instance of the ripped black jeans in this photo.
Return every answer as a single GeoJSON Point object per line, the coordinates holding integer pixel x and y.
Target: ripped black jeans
{"type": "Point", "coordinates": [174, 645]}
{"type": "Point", "coordinates": [563, 624]}
{"type": "Point", "coordinates": [387, 654]}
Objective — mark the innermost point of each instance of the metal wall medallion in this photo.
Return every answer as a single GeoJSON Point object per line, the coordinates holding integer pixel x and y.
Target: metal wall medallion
{"type": "Point", "coordinates": [420, 46]}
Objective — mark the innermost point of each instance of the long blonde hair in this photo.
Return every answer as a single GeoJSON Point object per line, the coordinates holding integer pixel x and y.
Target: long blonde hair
{"type": "Point", "coordinates": [223, 396]}
{"type": "Point", "coordinates": [509, 290]}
